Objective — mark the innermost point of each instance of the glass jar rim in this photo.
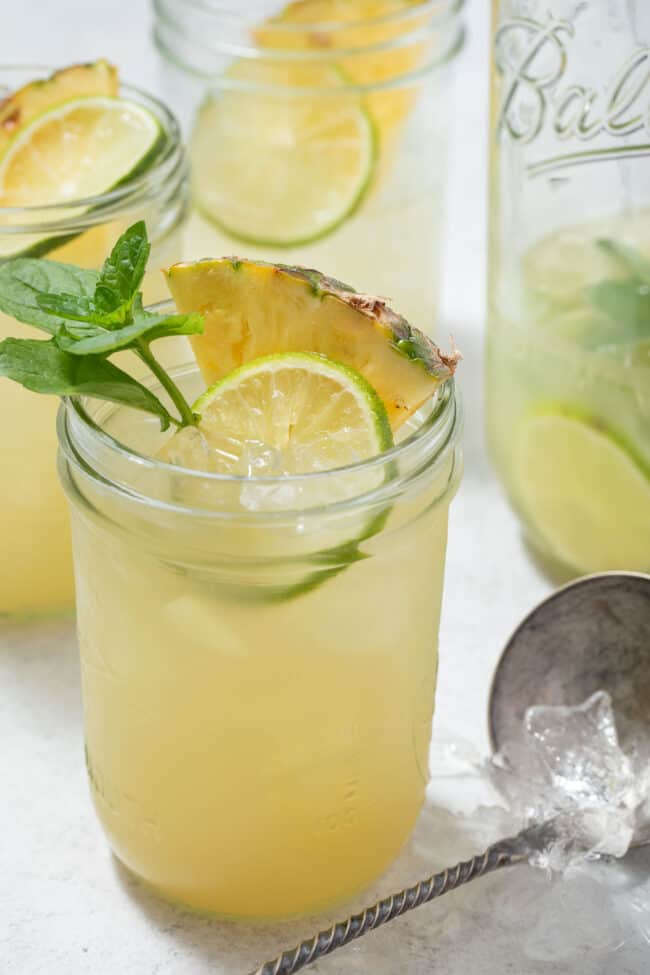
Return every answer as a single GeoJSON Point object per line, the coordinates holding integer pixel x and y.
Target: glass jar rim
{"type": "Point", "coordinates": [85, 443]}
{"type": "Point", "coordinates": [443, 13]}
{"type": "Point", "coordinates": [171, 166]}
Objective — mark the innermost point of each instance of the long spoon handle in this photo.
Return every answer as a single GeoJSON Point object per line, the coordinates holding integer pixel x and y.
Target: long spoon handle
{"type": "Point", "coordinates": [503, 854]}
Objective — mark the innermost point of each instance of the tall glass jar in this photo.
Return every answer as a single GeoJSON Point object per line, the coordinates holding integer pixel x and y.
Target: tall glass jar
{"type": "Point", "coordinates": [318, 134]}
{"type": "Point", "coordinates": [257, 703]}
{"type": "Point", "coordinates": [36, 566]}
{"type": "Point", "coordinates": [569, 290]}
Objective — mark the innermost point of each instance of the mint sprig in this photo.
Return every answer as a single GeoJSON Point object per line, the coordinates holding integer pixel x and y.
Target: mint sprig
{"type": "Point", "coordinates": [90, 315]}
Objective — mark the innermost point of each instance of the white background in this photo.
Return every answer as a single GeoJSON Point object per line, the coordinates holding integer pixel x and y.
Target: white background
{"type": "Point", "coordinates": [64, 906]}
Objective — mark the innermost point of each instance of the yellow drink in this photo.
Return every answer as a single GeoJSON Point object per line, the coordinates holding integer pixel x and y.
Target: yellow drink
{"type": "Point", "coordinates": [253, 751]}
{"type": "Point", "coordinates": [36, 567]}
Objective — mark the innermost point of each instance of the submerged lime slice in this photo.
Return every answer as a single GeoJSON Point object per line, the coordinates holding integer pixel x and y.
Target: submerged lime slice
{"type": "Point", "coordinates": [277, 168]}
{"type": "Point", "coordinates": [74, 152]}
{"type": "Point", "coordinates": [587, 498]}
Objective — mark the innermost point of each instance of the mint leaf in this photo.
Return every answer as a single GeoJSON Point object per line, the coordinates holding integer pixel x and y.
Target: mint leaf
{"type": "Point", "coordinates": [75, 308]}
{"type": "Point", "coordinates": [123, 271]}
{"type": "Point", "coordinates": [627, 304]}
{"type": "Point", "coordinates": [148, 327]}
{"type": "Point", "coordinates": [44, 368]}
{"type": "Point", "coordinates": [631, 259]}
{"type": "Point", "coordinates": [25, 280]}
{"type": "Point", "coordinates": [90, 315]}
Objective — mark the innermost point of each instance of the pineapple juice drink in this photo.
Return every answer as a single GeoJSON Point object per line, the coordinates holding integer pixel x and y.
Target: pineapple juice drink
{"type": "Point", "coordinates": [36, 569]}
{"type": "Point", "coordinates": [258, 574]}
{"type": "Point", "coordinates": [569, 353]}
{"type": "Point", "coordinates": [258, 712]}
{"type": "Point", "coordinates": [318, 134]}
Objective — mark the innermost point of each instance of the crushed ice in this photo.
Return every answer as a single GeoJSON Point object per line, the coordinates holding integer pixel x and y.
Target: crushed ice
{"type": "Point", "coordinates": [588, 909]}
{"type": "Point", "coordinates": [578, 774]}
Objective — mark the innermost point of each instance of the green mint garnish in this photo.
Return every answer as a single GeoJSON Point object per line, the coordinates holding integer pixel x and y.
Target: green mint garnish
{"type": "Point", "coordinates": [625, 301]}
{"type": "Point", "coordinates": [90, 315]}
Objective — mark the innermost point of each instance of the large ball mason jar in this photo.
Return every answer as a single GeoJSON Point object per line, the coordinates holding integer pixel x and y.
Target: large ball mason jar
{"type": "Point", "coordinates": [569, 283]}
{"type": "Point", "coordinates": [318, 132]}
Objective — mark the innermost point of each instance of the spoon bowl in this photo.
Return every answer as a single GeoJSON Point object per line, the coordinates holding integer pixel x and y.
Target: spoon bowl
{"type": "Point", "coordinates": [591, 635]}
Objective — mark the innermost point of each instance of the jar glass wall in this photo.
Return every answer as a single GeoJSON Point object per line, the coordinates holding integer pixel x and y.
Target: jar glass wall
{"type": "Point", "coordinates": [318, 135]}
{"type": "Point", "coordinates": [569, 306]}
{"type": "Point", "coordinates": [36, 568]}
{"type": "Point", "coordinates": [258, 700]}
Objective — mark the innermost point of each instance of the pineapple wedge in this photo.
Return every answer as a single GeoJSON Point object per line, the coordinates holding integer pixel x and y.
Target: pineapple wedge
{"type": "Point", "coordinates": [25, 104]}
{"type": "Point", "coordinates": [253, 308]}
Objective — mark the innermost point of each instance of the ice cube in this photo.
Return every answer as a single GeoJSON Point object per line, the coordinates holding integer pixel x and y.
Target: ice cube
{"type": "Point", "coordinates": [579, 750]}
{"type": "Point", "coordinates": [577, 775]}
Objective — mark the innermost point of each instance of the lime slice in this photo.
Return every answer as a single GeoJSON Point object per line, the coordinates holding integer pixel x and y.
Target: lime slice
{"type": "Point", "coordinates": [282, 415]}
{"type": "Point", "coordinates": [586, 497]}
{"type": "Point", "coordinates": [73, 152]}
{"type": "Point", "coordinates": [30, 101]}
{"type": "Point", "coordinates": [282, 169]}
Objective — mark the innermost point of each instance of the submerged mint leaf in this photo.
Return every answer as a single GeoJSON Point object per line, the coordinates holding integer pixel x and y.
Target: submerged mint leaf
{"type": "Point", "coordinates": [25, 280]}
{"type": "Point", "coordinates": [632, 260]}
{"type": "Point", "coordinates": [123, 271]}
{"type": "Point", "coordinates": [624, 301]}
{"type": "Point", "coordinates": [44, 368]}
{"type": "Point", "coordinates": [627, 304]}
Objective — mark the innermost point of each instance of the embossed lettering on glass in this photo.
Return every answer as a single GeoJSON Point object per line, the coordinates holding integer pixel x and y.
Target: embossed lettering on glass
{"type": "Point", "coordinates": [569, 279]}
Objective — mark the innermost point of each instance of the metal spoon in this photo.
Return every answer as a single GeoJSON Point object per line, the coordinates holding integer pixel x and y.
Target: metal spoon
{"type": "Point", "coordinates": [593, 634]}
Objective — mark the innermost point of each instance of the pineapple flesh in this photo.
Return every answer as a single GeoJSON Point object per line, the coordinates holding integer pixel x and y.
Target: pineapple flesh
{"type": "Point", "coordinates": [252, 308]}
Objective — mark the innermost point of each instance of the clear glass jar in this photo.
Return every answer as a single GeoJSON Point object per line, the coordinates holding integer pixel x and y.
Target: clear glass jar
{"type": "Point", "coordinates": [321, 144]}
{"type": "Point", "coordinates": [569, 293]}
{"type": "Point", "coordinates": [36, 568]}
{"type": "Point", "coordinates": [257, 699]}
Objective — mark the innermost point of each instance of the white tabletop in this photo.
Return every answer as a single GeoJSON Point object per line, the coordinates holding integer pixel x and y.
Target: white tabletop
{"type": "Point", "coordinates": [66, 907]}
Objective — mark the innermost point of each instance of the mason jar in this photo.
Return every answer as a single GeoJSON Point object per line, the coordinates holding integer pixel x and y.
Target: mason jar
{"type": "Point", "coordinates": [36, 566]}
{"type": "Point", "coordinates": [568, 373]}
{"type": "Point", "coordinates": [315, 140]}
{"type": "Point", "coordinates": [258, 657]}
